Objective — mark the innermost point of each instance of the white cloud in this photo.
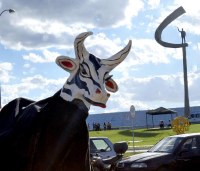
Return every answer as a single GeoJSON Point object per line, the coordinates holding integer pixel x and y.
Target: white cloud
{"type": "Point", "coordinates": [132, 10]}
{"type": "Point", "coordinates": [48, 56]}
{"type": "Point", "coordinates": [35, 88]}
{"type": "Point", "coordinates": [154, 3]}
{"type": "Point", "coordinates": [5, 72]}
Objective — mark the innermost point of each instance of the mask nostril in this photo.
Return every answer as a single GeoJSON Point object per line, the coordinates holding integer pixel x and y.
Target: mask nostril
{"type": "Point", "coordinates": [98, 91]}
{"type": "Point", "coordinates": [108, 95]}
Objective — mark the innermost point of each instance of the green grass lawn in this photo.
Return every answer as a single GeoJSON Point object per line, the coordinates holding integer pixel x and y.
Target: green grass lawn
{"type": "Point", "coordinates": [142, 137]}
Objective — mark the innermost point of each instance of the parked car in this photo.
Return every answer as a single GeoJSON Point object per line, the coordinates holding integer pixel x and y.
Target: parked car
{"type": "Point", "coordinates": [173, 153]}
{"type": "Point", "coordinates": [102, 146]}
{"type": "Point", "coordinates": [109, 164]}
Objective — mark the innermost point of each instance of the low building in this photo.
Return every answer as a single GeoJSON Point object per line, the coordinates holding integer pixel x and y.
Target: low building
{"type": "Point", "coordinates": [120, 120]}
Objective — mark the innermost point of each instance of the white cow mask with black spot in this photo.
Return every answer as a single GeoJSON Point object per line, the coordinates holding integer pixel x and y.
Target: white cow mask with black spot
{"type": "Point", "coordinates": [89, 76]}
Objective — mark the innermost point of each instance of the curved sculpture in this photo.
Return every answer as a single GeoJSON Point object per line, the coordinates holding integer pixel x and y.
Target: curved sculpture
{"type": "Point", "coordinates": [179, 11]}
{"type": "Point", "coordinates": [51, 134]}
{"type": "Point", "coordinates": [175, 14]}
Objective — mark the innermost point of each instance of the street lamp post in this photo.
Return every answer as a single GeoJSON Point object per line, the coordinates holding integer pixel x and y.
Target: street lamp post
{"type": "Point", "coordinates": [9, 10]}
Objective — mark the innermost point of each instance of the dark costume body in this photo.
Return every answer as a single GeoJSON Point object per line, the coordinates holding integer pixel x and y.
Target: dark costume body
{"type": "Point", "coordinates": [48, 135]}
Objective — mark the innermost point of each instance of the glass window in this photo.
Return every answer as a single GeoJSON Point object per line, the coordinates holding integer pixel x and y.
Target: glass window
{"type": "Point", "coordinates": [167, 145]}
{"type": "Point", "coordinates": [191, 145]}
{"type": "Point", "coordinates": [100, 145]}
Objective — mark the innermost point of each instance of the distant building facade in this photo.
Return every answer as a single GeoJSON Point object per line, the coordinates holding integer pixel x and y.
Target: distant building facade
{"type": "Point", "coordinates": [124, 120]}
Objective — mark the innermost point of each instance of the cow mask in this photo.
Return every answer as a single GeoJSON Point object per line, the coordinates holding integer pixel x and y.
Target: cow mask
{"type": "Point", "coordinates": [89, 76]}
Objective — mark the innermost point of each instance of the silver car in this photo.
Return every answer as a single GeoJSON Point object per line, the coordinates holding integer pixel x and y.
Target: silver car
{"type": "Point", "coordinates": [101, 146]}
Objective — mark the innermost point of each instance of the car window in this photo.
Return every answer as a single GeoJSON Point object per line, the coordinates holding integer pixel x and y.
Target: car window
{"type": "Point", "coordinates": [191, 145]}
{"type": "Point", "coordinates": [187, 145]}
{"type": "Point", "coordinates": [167, 145]}
{"type": "Point", "coordinates": [99, 145]}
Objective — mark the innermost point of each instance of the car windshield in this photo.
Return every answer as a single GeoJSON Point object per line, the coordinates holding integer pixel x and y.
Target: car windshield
{"type": "Point", "coordinates": [166, 145]}
{"type": "Point", "coordinates": [99, 145]}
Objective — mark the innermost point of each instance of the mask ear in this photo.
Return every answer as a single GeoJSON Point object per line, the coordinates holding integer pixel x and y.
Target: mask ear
{"type": "Point", "coordinates": [111, 85]}
{"type": "Point", "coordinates": [66, 63]}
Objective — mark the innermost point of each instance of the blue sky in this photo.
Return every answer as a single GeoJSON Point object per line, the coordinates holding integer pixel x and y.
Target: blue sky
{"type": "Point", "coordinates": [151, 76]}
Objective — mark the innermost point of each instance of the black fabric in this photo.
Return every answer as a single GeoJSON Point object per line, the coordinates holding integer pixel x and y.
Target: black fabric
{"type": "Point", "coordinates": [48, 135]}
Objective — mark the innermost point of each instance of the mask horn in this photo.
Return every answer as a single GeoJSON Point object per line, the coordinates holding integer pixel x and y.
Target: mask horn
{"type": "Point", "coordinates": [80, 50]}
{"type": "Point", "coordinates": [116, 59]}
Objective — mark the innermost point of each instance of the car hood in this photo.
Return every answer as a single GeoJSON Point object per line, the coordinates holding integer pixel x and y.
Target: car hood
{"type": "Point", "coordinates": [143, 156]}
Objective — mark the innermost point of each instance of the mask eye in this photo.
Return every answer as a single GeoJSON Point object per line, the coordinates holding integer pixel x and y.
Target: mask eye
{"type": "Point", "coordinates": [83, 72]}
